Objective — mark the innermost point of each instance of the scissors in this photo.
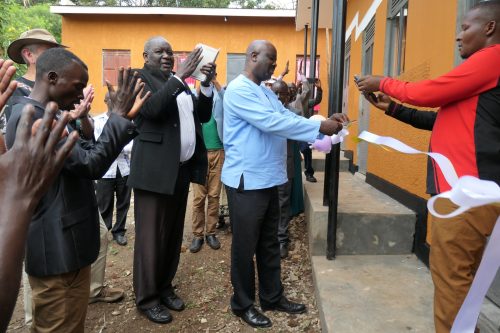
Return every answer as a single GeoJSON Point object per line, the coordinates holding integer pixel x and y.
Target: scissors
{"type": "Point", "coordinates": [347, 124]}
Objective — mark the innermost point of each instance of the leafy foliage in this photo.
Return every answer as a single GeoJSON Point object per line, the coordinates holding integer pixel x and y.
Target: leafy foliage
{"type": "Point", "coordinates": [16, 19]}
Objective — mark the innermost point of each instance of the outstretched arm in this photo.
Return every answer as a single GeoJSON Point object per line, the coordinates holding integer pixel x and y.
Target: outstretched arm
{"type": "Point", "coordinates": [469, 79]}
{"type": "Point", "coordinates": [417, 118]}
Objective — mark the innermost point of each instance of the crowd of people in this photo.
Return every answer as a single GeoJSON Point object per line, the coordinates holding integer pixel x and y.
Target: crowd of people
{"type": "Point", "coordinates": [179, 137]}
{"type": "Point", "coordinates": [60, 171]}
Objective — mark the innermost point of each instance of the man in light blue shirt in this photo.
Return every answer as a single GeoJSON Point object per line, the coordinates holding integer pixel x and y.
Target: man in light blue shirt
{"type": "Point", "coordinates": [256, 127]}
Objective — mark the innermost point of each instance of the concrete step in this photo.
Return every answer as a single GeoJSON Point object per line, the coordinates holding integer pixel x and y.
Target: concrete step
{"type": "Point", "coordinates": [318, 162]}
{"type": "Point", "coordinates": [489, 318]}
{"type": "Point", "coordinates": [383, 293]}
{"type": "Point", "coordinates": [369, 222]}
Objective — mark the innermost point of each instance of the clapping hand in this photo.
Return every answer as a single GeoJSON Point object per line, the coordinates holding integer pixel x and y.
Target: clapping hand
{"type": "Point", "coordinates": [286, 70]}
{"type": "Point", "coordinates": [7, 87]}
{"type": "Point", "coordinates": [81, 110]}
{"type": "Point", "coordinates": [209, 69]}
{"type": "Point", "coordinates": [139, 102]}
{"type": "Point", "coordinates": [33, 162]}
{"type": "Point", "coordinates": [187, 68]}
{"type": "Point", "coordinates": [123, 99]}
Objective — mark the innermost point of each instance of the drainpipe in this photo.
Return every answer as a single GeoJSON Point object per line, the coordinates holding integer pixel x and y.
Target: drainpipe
{"type": "Point", "coordinates": [314, 45]}
{"type": "Point", "coordinates": [304, 63]}
{"type": "Point", "coordinates": [335, 106]}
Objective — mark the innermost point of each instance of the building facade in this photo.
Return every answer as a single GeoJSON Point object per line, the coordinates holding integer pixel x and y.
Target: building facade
{"type": "Point", "coordinates": [108, 37]}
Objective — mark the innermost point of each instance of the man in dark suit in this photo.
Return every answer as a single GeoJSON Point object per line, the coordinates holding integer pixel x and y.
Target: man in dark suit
{"type": "Point", "coordinates": [63, 237]}
{"type": "Point", "coordinates": [168, 154]}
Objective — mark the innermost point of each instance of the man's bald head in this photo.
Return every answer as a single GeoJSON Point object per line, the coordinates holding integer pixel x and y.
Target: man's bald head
{"type": "Point", "coordinates": [158, 54]}
{"type": "Point", "coordinates": [153, 41]}
{"type": "Point", "coordinates": [260, 61]}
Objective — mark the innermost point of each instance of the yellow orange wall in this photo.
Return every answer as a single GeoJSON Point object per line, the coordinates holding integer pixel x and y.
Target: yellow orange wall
{"type": "Point", "coordinates": [429, 52]}
{"type": "Point", "coordinates": [88, 35]}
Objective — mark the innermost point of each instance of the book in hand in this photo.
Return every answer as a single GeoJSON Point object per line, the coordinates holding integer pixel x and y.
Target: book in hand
{"type": "Point", "coordinates": [208, 54]}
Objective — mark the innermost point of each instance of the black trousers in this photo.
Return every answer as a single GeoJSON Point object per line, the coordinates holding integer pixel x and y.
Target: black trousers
{"type": "Point", "coordinates": [307, 153]}
{"type": "Point", "coordinates": [159, 224]}
{"type": "Point", "coordinates": [254, 217]}
{"type": "Point", "coordinates": [105, 192]}
{"type": "Point", "coordinates": [284, 194]}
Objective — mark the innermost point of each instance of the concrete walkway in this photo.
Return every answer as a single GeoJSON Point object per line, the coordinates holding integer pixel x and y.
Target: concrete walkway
{"type": "Point", "coordinates": [378, 293]}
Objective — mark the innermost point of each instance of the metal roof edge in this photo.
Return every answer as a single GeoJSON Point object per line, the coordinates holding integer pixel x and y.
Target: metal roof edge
{"type": "Point", "coordinates": [85, 10]}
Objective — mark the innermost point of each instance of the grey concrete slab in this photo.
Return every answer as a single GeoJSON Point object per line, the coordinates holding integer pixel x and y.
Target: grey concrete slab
{"type": "Point", "coordinates": [384, 293]}
{"type": "Point", "coordinates": [489, 318]}
{"type": "Point", "coordinates": [369, 222]}
{"type": "Point", "coordinates": [318, 162]}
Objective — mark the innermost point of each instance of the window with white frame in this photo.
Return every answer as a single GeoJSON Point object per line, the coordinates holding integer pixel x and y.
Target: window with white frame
{"type": "Point", "coordinates": [396, 37]}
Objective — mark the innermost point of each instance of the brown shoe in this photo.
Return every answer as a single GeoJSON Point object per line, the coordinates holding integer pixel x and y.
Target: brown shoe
{"type": "Point", "coordinates": [108, 295]}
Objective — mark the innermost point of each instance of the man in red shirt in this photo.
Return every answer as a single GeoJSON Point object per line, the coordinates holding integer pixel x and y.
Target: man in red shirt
{"type": "Point", "coordinates": [467, 131]}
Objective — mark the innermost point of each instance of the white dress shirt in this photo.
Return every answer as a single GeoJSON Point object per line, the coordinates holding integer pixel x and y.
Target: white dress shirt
{"type": "Point", "coordinates": [186, 121]}
{"type": "Point", "coordinates": [122, 162]}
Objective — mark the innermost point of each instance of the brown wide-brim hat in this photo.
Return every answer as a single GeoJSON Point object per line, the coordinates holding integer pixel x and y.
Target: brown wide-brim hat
{"type": "Point", "coordinates": [34, 36]}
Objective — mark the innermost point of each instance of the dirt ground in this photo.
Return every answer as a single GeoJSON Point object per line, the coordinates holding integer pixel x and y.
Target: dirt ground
{"type": "Point", "coordinates": [203, 282]}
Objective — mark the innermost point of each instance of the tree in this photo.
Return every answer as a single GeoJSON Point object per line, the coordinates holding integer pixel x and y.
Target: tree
{"type": "Point", "coordinates": [16, 19]}
{"type": "Point", "coordinates": [251, 4]}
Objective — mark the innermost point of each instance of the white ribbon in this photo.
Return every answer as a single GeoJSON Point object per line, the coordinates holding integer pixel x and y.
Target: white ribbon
{"type": "Point", "coordinates": [444, 163]}
{"type": "Point", "coordinates": [466, 192]}
{"type": "Point", "coordinates": [339, 137]}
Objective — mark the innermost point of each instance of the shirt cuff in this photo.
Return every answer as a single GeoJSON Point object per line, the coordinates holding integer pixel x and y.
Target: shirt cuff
{"type": "Point", "coordinates": [207, 91]}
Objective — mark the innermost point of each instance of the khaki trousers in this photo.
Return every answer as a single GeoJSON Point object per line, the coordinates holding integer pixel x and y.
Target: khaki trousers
{"type": "Point", "coordinates": [456, 251]}
{"type": "Point", "coordinates": [60, 302]}
{"type": "Point", "coordinates": [211, 192]}
{"type": "Point", "coordinates": [98, 268]}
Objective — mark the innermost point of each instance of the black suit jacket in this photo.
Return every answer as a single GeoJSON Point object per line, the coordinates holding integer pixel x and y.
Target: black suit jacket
{"type": "Point", "coordinates": [156, 152]}
{"type": "Point", "coordinates": [64, 232]}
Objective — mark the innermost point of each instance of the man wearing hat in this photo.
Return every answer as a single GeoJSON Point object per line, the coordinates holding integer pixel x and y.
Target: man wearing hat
{"type": "Point", "coordinates": [25, 50]}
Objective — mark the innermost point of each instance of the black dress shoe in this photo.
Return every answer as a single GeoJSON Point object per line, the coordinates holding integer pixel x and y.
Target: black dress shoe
{"type": "Point", "coordinates": [121, 240]}
{"type": "Point", "coordinates": [284, 305]}
{"type": "Point", "coordinates": [173, 302]}
{"type": "Point", "coordinates": [221, 224]}
{"type": "Point", "coordinates": [254, 318]}
{"type": "Point", "coordinates": [213, 242]}
{"type": "Point", "coordinates": [158, 314]}
{"type": "Point", "coordinates": [283, 250]}
{"type": "Point", "coordinates": [196, 245]}
{"type": "Point", "coordinates": [311, 179]}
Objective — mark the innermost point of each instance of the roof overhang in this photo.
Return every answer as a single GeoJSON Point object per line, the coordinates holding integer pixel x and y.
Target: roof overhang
{"type": "Point", "coordinates": [304, 11]}
{"type": "Point", "coordinates": [68, 10]}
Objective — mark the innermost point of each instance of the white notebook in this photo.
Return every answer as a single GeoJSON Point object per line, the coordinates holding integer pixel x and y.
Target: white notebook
{"type": "Point", "coordinates": [209, 54]}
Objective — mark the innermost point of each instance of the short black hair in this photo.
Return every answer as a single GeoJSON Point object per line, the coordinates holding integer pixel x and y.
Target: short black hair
{"type": "Point", "coordinates": [55, 59]}
{"type": "Point", "coordinates": [278, 85]}
{"type": "Point", "coordinates": [491, 8]}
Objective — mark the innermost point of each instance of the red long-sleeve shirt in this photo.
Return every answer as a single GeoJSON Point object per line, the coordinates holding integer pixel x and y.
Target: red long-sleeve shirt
{"type": "Point", "coordinates": [467, 127]}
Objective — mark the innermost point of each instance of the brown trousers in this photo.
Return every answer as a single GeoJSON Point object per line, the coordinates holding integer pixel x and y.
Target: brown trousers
{"type": "Point", "coordinates": [456, 251]}
{"type": "Point", "coordinates": [60, 301]}
{"type": "Point", "coordinates": [211, 191]}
